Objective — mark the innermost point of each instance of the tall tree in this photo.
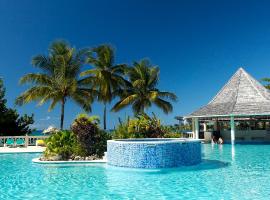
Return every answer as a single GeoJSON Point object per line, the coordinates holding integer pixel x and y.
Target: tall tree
{"type": "Point", "coordinates": [105, 77]}
{"type": "Point", "coordinates": [58, 80]}
{"type": "Point", "coordinates": [11, 123]}
{"type": "Point", "coordinates": [142, 91]}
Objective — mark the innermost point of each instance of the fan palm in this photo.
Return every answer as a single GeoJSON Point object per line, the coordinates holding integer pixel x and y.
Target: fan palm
{"type": "Point", "coordinates": [105, 77]}
{"type": "Point", "coordinates": [59, 79]}
{"type": "Point", "coordinates": [142, 91]}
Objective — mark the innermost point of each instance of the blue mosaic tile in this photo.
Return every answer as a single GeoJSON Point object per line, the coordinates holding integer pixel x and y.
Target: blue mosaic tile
{"type": "Point", "coordinates": [153, 153]}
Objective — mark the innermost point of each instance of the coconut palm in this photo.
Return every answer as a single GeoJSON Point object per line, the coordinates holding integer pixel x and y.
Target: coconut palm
{"type": "Point", "coordinates": [266, 83]}
{"type": "Point", "coordinates": [105, 77]}
{"type": "Point", "coordinates": [58, 80]}
{"type": "Point", "coordinates": [142, 91]}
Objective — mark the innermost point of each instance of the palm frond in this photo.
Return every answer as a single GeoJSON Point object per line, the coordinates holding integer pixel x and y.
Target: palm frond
{"type": "Point", "coordinates": [124, 102]}
{"type": "Point", "coordinates": [53, 103]}
{"type": "Point", "coordinates": [40, 79]}
{"type": "Point", "coordinates": [167, 95]}
{"type": "Point", "coordinates": [82, 101]}
{"type": "Point", "coordinates": [35, 93]}
{"type": "Point", "coordinates": [164, 105]}
{"type": "Point", "coordinates": [90, 72]}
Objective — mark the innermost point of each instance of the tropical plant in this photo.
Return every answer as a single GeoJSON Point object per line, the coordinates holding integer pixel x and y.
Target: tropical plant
{"type": "Point", "coordinates": [90, 137]}
{"type": "Point", "coordinates": [121, 131]}
{"type": "Point", "coordinates": [267, 83]}
{"type": "Point", "coordinates": [142, 126]}
{"type": "Point", "coordinates": [172, 131]}
{"type": "Point", "coordinates": [62, 145]}
{"type": "Point", "coordinates": [59, 79]}
{"type": "Point", "coordinates": [11, 123]}
{"type": "Point", "coordinates": [93, 119]}
{"type": "Point", "coordinates": [146, 126]}
{"type": "Point", "coordinates": [106, 77]}
{"type": "Point", "coordinates": [142, 91]}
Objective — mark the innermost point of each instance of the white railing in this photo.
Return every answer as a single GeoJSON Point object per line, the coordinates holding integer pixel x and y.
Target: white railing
{"type": "Point", "coordinates": [27, 140]}
{"type": "Point", "coordinates": [188, 134]}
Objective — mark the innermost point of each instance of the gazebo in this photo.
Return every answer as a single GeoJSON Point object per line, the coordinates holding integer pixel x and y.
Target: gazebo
{"type": "Point", "coordinates": [239, 112]}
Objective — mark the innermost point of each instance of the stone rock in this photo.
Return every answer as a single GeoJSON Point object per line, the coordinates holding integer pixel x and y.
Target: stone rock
{"type": "Point", "coordinates": [77, 158]}
{"type": "Point", "coordinates": [42, 159]}
{"type": "Point", "coordinates": [56, 158]}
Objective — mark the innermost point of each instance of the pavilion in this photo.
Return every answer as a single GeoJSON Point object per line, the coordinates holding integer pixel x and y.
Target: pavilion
{"type": "Point", "coordinates": [240, 112]}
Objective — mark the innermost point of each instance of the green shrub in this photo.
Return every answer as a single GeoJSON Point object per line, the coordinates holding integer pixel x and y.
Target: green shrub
{"type": "Point", "coordinates": [62, 144]}
{"type": "Point", "coordinates": [144, 126]}
{"type": "Point", "coordinates": [89, 136]}
{"type": "Point", "coordinates": [121, 131]}
{"type": "Point", "coordinates": [171, 132]}
{"type": "Point", "coordinates": [172, 135]}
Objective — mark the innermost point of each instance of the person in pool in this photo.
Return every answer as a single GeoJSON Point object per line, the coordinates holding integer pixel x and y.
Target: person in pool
{"type": "Point", "coordinates": [220, 140]}
{"type": "Point", "coordinates": [214, 139]}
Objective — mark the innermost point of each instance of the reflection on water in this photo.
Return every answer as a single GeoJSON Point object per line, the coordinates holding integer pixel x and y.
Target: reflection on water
{"type": "Point", "coordinates": [233, 152]}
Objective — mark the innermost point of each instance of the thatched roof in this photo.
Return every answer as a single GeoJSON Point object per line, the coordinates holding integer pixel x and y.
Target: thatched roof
{"type": "Point", "coordinates": [242, 95]}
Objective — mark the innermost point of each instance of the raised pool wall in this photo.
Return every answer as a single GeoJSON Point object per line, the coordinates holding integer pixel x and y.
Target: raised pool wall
{"type": "Point", "coordinates": [157, 153]}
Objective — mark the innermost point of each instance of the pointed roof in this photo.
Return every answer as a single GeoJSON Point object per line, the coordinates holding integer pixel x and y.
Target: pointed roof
{"type": "Point", "coordinates": [242, 95]}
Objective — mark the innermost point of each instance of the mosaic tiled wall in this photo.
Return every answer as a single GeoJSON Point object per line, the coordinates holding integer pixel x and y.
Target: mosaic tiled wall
{"type": "Point", "coordinates": [153, 155]}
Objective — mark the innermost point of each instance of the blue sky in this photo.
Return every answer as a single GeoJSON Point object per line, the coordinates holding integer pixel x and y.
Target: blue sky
{"type": "Point", "coordinates": [197, 44]}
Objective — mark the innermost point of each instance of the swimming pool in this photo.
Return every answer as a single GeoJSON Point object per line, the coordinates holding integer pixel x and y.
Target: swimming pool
{"type": "Point", "coordinates": [242, 172]}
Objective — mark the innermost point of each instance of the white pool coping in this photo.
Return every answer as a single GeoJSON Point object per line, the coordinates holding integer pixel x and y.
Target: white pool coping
{"type": "Point", "coordinates": [29, 149]}
{"type": "Point", "coordinates": [37, 160]}
{"type": "Point", "coordinates": [154, 140]}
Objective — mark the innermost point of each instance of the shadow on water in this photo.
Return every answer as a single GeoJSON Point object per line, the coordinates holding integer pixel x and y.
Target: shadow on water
{"type": "Point", "coordinates": [93, 165]}
{"type": "Point", "coordinates": [204, 165]}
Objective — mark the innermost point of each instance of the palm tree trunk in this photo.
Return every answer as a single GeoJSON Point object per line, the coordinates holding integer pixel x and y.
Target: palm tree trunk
{"type": "Point", "coordinates": [104, 117]}
{"type": "Point", "coordinates": [62, 113]}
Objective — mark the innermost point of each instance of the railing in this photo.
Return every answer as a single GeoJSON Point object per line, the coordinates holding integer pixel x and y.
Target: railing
{"type": "Point", "coordinates": [27, 140]}
{"type": "Point", "coordinates": [188, 134]}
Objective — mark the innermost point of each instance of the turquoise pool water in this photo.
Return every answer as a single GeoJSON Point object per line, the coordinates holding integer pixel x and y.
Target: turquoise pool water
{"type": "Point", "coordinates": [239, 172]}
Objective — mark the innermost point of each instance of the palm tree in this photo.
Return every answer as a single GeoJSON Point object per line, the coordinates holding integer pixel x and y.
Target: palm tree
{"type": "Point", "coordinates": [267, 83]}
{"type": "Point", "coordinates": [142, 91]}
{"type": "Point", "coordinates": [58, 80]}
{"type": "Point", "coordinates": [106, 77]}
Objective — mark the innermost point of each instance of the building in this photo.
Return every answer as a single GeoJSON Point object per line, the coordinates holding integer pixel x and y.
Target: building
{"type": "Point", "coordinates": [240, 112]}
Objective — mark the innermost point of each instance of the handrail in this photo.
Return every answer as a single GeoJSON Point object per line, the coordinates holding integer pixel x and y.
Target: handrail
{"type": "Point", "coordinates": [189, 134]}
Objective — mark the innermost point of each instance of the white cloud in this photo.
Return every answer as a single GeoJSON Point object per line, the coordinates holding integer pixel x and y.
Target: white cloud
{"type": "Point", "coordinates": [45, 119]}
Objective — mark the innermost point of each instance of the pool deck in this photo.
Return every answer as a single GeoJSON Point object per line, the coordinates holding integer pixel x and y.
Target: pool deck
{"type": "Point", "coordinates": [29, 149]}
